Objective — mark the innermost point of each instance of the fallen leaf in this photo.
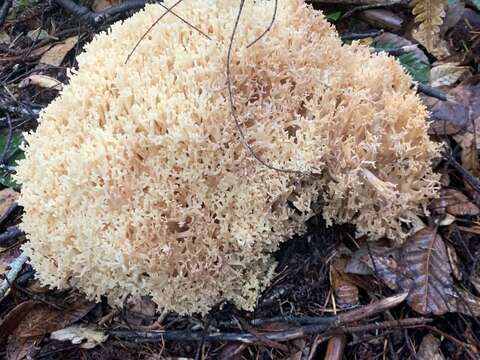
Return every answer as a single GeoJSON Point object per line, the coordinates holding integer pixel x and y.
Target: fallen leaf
{"type": "Point", "coordinates": [447, 74]}
{"type": "Point", "coordinates": [55, 55]}
{"type": "Point", "coordinates": [430, 349]}
{"type": "Point", "coordinates": [458, 204]}
{"type": "Point", "coordinates": [463, 108]}
{"type": "Point", "coordinates": [381, 258]}
{"type": "Point", "coordinates": [346, 292]}
{"type": "Point", "coordinates": [100, 5]}
{"type": "Point", "coordinates": [88, 336]}
{"type": "Point", "coordinates": [463, 302]}
{"type": "Point", "coordinates": [415, 62]}
{"type": "Point", "coordinates": [141, 312]}
{"type": "Point", "coordinates": [425, 272]}
{"type": "Point", "coordinates": [37, 34]}
{"type": "Point", "coordinates": [4, 38]}
{"type": "Point", "coordinates": [447, 220]}
{"type": "Point", "coordinates": [20, 348]}
{"type": "Point", "coordinates": [15, 153]}
{"type": "Point", "coordinates": [8, 197]}
{"type": "Point", "coordinates": [41, 81]}
{"type": "Point", "coordinates": [7, 257]}
{"type": "Point", "coordinates": [43, 319]}
{"type": "Point", "coordinates": [13, 318]}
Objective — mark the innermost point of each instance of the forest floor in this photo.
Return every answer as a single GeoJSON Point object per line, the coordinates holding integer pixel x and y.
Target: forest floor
{"type": "Point", "coordinates": [335, 296]}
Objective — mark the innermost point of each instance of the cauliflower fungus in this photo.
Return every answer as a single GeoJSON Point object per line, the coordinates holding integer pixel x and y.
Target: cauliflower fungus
{"type": "Point", "coordinates": [136, 181]}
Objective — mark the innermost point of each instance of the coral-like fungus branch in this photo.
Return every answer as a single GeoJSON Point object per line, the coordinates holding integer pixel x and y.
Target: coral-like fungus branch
{"type": "Point", "coordinates": [188, 216]}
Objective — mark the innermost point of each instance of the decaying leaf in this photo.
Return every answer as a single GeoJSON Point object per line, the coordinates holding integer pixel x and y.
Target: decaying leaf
{"type": "Point", "coordinates": [458, 204]}
{"type": "Point", "coordinates": [464, 302]}
{"type": "Point", "coordinates": [43, 319]}
{"type": "Point", "coordinates": [429, 15]}
{"type": "Point", "coordinates": [346, 292]}
{"type": "Point", "coordinates": [100, 5]}
{"type": "Point", "coordinates": [430, 349]}
{"type": "Point", "coordinates": [19, 348]}
{"type": "Point", "coordinates": [55, 55]}
{"type": "Point", "coordinates": [13, 318]}
{"type": "Point", "coordinates": [88, 336]}
{"type": "Point", "coordinates": [463, 109]}
{"type": "Point", "coordinates": [8, 198]}
{"type": "Point", "coordinates": [43, 81]}
{"type": "Point", "coordinates": [426, 272]}
{"type": "Point", "coordinates": [447, 74]}
{"type": "Point", "coordinates": [380, 258]}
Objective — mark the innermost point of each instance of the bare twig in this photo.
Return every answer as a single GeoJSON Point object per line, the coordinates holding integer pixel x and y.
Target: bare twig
{"type": "Point", "coordinates": [7, 4]}
{"type": "Point", "coordinates": [358, 36]}
{"type": "Point", "coordinates": [233, 110]}
{"type": "Point", "coordinates": [168, 10]}
{"type": "Point", "coordinates": [275, 6]}
{"type": "Point", "coordinates": [279, 336]}
{"type": "Point", "coordinates": [94, 18]}
{"type": "Point", "coordinates": [15, 268]}
{"type": "Point", "coordinates": [428, 90]}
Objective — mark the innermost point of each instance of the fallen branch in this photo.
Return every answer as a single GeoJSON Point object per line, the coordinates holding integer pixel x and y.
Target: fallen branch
{"type": "Point", "coordinates": [7, 4]}
{"type": "Point", "coordinates": [94, 18]}
{"type": "Point", "coordinates": [15, 268]}
{"type": "Point", "coordinates": [428, 90]}
{"type": "Point", "coordinates": [154, 336]}
{"type": "Point", "coordinates": [315, 325]}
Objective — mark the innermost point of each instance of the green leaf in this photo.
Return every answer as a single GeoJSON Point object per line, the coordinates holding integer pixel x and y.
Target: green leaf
{"type": "Point", "coordinates": [334, 16]}
{"type": "Point", "coordinates": [419, 70]}
{"type": "Point", "coordinates": [16, 154]}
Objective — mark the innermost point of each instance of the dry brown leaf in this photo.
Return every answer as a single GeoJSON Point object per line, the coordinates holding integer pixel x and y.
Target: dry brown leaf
{"type": "Point", "coordinates": [141, 312]}
{"type": "Point", "coordinates": [425, 272]}
{"type": "Point", "coordinates": [20, 348]}
{"type": "Point", "coordinates": [13, 318]}
{"type": "Point", "coordinates": [8, 197]}
{"type": "Point", "coordinates": [43, 319]}
{"type": "Point", "coordinates": [346, 292]}
{"type": "Point", "coordinates": [463, 112]}
{"type": "Point", "coordinates": [458, 204]}
{"type": "Point", "coordinates": [430, 349]}
{"type": "Point", "coordinates": [55, 55]}
{"type": "Point", "coordinates": [43, 81]}
{"type": "Point", "coordinates": [7, 257]}
{"type": "Point", "coordinates": [100, 5]}
{"type": "Point", "coordinates": [381, 258]}
{"type": "Point", "coordinates": [447, 74]}
{"type": "Point", "coordinates": [464, 302]}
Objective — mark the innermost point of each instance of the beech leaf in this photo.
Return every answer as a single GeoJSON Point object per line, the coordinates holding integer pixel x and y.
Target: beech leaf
{"type": "Point", "coordinates": [426, 272]}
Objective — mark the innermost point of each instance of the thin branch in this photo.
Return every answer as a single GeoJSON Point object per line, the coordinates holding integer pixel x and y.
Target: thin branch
{"type": "Point", "coordinates": [233, 110]}
{"type": "Point", "coordinates": [7, 4]}
{"type": "Point", "coordinates": [94, 18]}
{"type": "Point", "coordinates": [15, 268]}
{"type": "Point", "coordinates": [428, 90]}
{"type": "Point", "coordinates": [293, 333]}
{"type": "Point", "coordinates": [150, 29]}
{"type": "Point", "coordinates": [268, 27]}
